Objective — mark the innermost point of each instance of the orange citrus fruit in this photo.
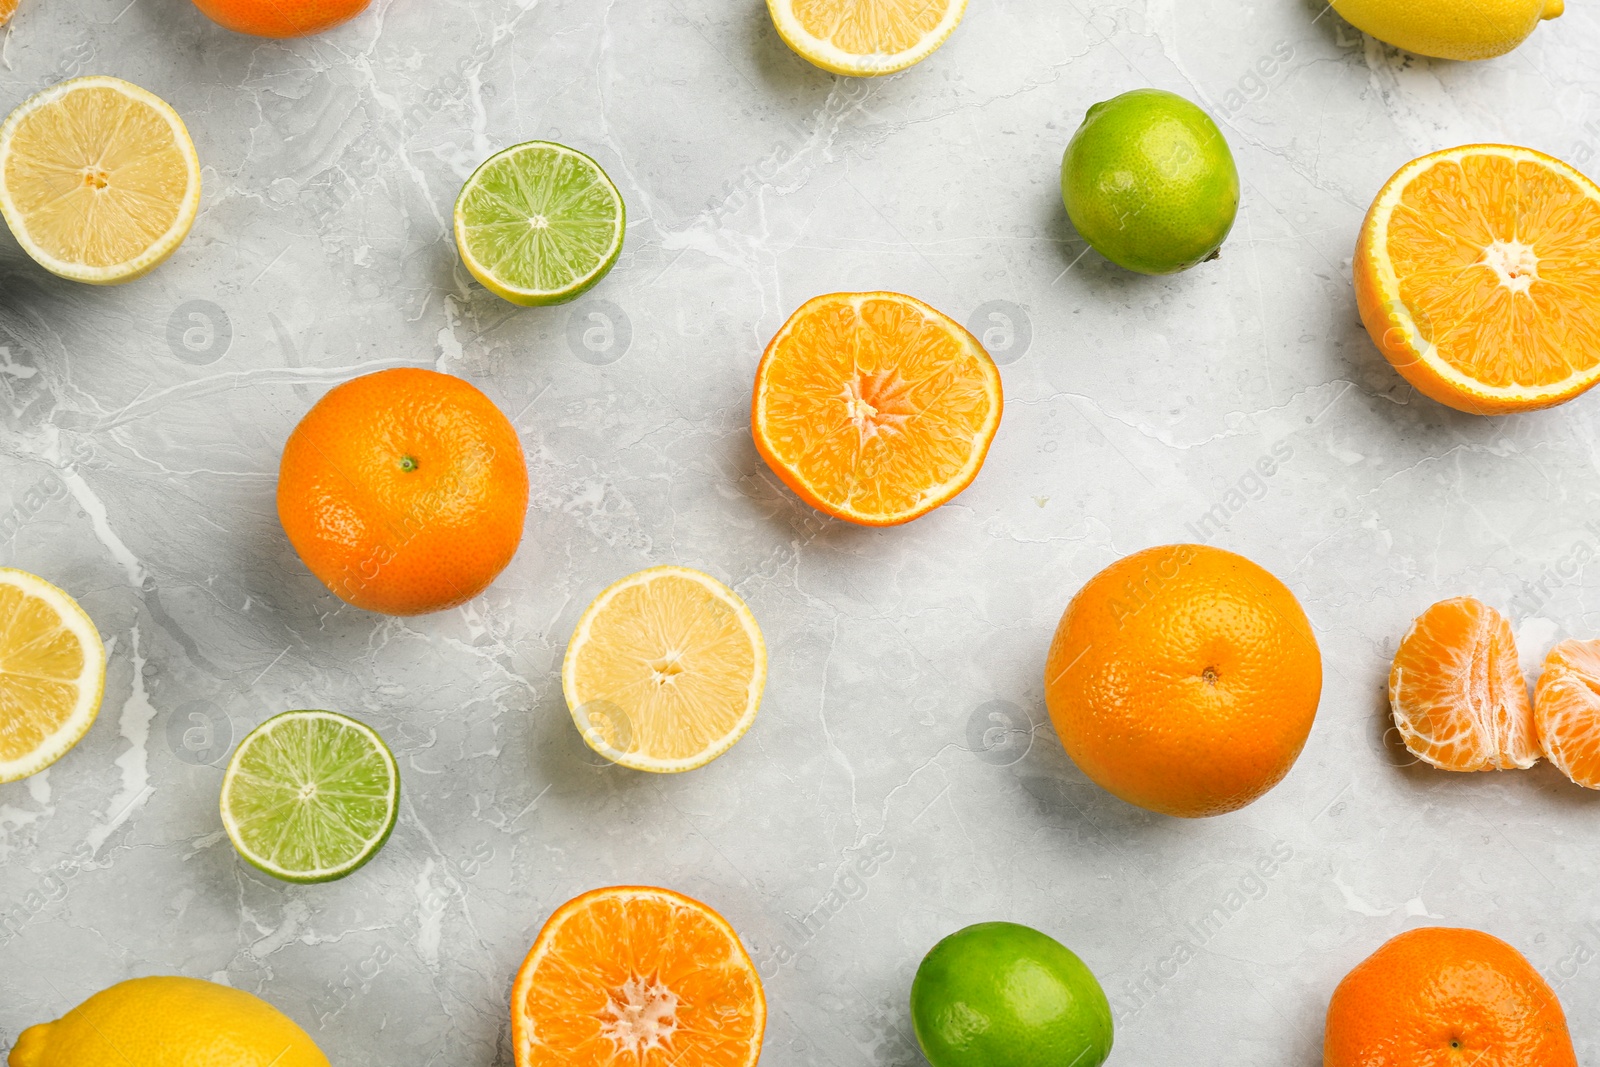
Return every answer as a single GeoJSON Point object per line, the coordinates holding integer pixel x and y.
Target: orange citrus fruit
{"type": "Point", "coordinates": [7, 9]}
{"type": "Point", "coordinates": [1566, 710]}
{"type": "Point", "coordinates": [633, 976]}
{"type": "Point", "coordinates": [1444, 997]}
{"type": "Point", "coordinates": [1457, 692]}
{"type": "Point", "coordinates": [1184, 679]}
{"type": "Point", "coordinates": [404, 491]}
{"type": "Point", "coordinates": [874, 407]}
{"type": "Point", "coordinates": [1476, 273]}
{"type": "Point", "coordinates": [280, 18]}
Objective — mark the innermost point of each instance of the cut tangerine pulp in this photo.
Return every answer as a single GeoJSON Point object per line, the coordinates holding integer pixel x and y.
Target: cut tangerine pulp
{"type": "Point", "coordinates": [875, 407]}
{"type": "Point", "coordinates": [637, 976]}
{"type": "Point", "coordinates": [1477, 273]}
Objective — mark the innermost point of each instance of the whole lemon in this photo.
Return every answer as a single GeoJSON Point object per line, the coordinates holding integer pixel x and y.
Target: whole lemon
{"type": "Point", "coordinates": [1150, 182]}
{"type": "Point", "coordinates": [168, 1022]}
{"type": "Point", "coordinates": [1449, 29]}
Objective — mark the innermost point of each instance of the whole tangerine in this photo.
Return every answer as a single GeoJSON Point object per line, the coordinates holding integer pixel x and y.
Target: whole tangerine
{"type": "Point", "coordinates": [1184, 679]}
{"type": "Point", "coordinates": [280, 18]}
{"type": "Point", "coordinates": [1444, 997]}
{"type": "Point", "coordinates": [404, 491]}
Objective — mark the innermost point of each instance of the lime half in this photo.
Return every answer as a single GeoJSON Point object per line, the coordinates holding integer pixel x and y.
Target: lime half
{"type": "Point", "coordinates": [309, 796]}
{"type": "Point", "coordinates": [539, 223]}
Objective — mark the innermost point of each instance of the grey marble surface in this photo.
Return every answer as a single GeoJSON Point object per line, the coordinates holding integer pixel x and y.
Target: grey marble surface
{"type": "Point", "coordinates": [140, 429]}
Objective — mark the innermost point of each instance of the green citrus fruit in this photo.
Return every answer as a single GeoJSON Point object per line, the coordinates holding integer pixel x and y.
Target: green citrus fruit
{"type": "Point", "coordinates": [1005, 995]}
{"type": "Point", "coordinates": [539, 223]}
{"type": "Point", "coordinates": [310, 796]}
{"type": "Point", "coordinates": [1149, 181]}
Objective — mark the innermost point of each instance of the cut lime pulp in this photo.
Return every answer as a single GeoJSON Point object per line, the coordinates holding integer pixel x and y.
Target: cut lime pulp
{"type": "Point", "coordinates": [539, 223]}
{"type": "Point", "coordinates": [309, 796]}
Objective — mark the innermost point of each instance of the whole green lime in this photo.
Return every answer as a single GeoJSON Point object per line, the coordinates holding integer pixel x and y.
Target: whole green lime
{"type": "Point", "coordinates": [1006, 995]}
{"type": "Point", "coordinates": [1149, 181]}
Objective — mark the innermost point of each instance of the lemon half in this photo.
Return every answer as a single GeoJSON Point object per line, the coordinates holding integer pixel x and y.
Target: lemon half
{"type": "Point", "coordinates": [99, 181]}
{"type": "Point", "coordinates": [665, 670]}
{"type": "Point", "coordinates": [52, 674]}
{"type": "Point", "coordinates": [865, 38]}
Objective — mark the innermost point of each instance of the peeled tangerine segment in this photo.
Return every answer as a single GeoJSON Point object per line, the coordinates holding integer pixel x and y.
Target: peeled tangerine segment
{"type": "Point", "coordinates": [1457, 692]}
{"type": "Point", "coordinates": [1566, 710]}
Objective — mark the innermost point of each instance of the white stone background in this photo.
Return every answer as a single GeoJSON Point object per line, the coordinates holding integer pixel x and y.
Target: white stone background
{"type": "Point", "coordinates": [142, 427]}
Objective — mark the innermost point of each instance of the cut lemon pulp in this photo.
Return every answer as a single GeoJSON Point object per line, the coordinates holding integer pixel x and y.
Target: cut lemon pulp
{"type": "Point", "coordinates": [52, 674]}
{"type": "Point", "coordinates": [633, 976]}
{"type": "Point", "coordinates": [664, 671]}
{"type": "Point", "coordinates": [98, 179]}
{"type": "Point", "coordinates": [874, 407]}
{"type": "Point", "coordinates": [1477, 273]}
{"type": "Point", "coordinates": [865, 37]}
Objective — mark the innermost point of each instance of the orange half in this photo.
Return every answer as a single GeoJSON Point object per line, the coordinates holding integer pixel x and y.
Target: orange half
{"type": "Point", "coordinates": [1477, 273]}
{"type": "Point", "coordinates": [633, 976]}
{"type": "Point", "coordinates": [1566, 710]}
{"type": "Point", "coordinates": [1457, 692]}
{"type": "Point", "coordinates": [874, 407]}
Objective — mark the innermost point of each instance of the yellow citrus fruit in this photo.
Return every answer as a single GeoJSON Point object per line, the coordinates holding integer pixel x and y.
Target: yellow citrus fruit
{"type": "Point", "coordinates": [99, 181]}
{"type": "Point", "coordinates": [168, 1022]}
{"type": "Point", "coordinates": [665, 670]}
{"type": "Point", "coordinates": [52, 674]}
{"type": "Point", "coordinates": [863, 38]}
{"type": "Point", "coordinates": [1449, 29]}
{"type": "Point", "coordinates": [1474, 273]}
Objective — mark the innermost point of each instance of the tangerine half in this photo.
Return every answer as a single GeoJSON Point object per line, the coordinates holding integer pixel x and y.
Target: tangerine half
{"type": "Point", "coordinates": [634, 976]}
{"type": "Point", "coordinates": [874, 407]}
{"type": "Point", "coordinates": [1477, 273]}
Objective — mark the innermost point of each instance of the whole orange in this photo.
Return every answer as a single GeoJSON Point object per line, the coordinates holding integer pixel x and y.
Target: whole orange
{"type": "Point", "coordinates": [1442, 997]}
{"type": "Point", "coordinates": [1184, 679]}
{"type": "Point", "coordinates": [404, 491]}
{"type": "Point", "coordinates": [280, 18]}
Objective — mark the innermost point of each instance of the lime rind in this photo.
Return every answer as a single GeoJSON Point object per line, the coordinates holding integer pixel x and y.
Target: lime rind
{"type": "Point", "coordinates": [310, 796]}
{"type": "Point", "coordinates": [539, 223]}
